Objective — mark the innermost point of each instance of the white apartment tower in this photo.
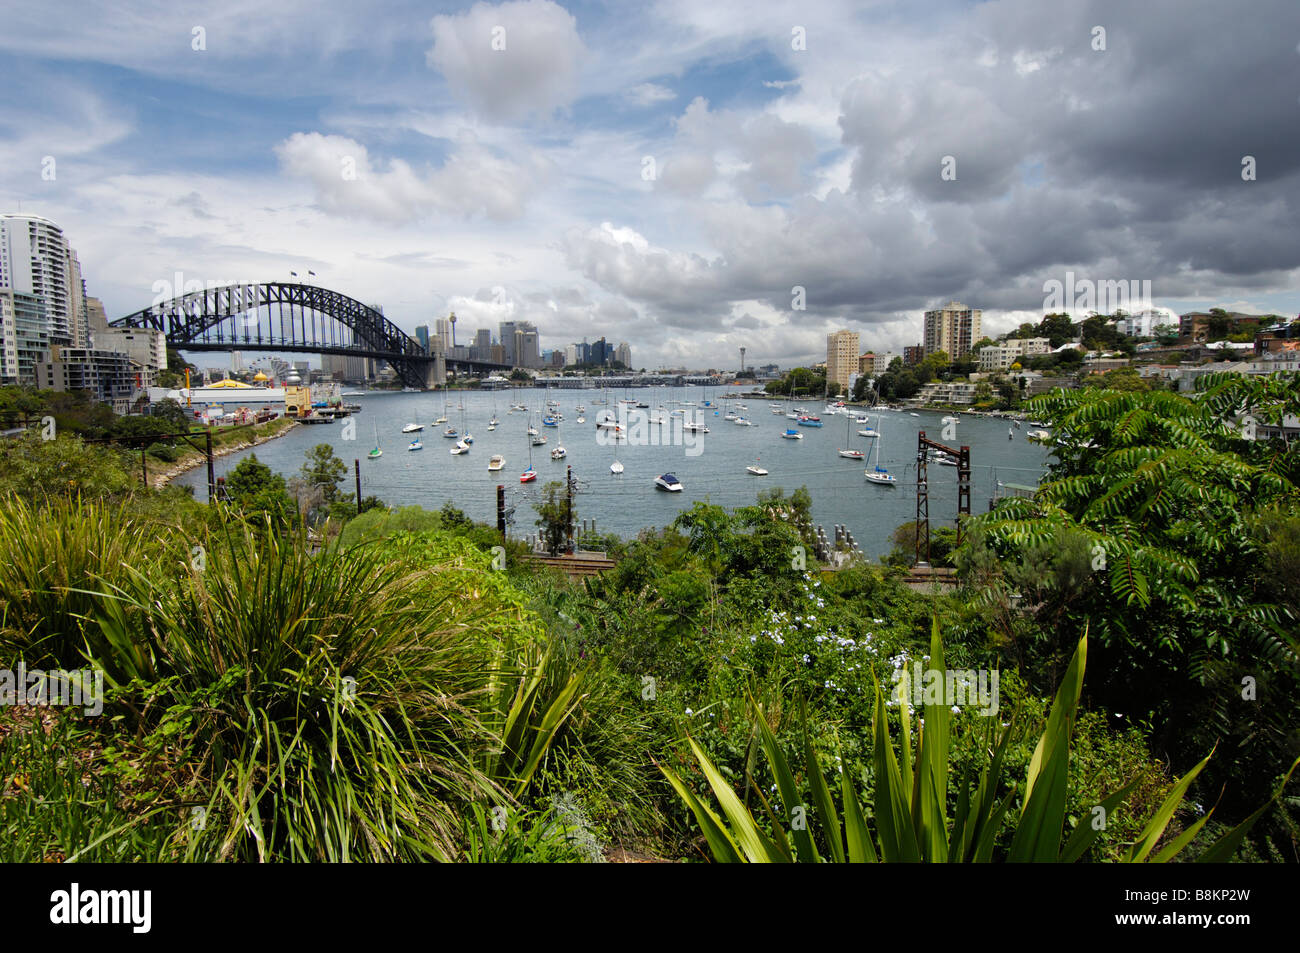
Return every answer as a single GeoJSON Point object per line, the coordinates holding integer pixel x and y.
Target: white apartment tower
{"type": "Point", "coordinates": [952, 329]}
{"type": "Point", "coordinates": [35, 259]}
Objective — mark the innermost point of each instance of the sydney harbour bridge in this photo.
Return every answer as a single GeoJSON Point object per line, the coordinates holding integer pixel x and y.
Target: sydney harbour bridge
{"type": "Point", "coordinates": [283, 316]}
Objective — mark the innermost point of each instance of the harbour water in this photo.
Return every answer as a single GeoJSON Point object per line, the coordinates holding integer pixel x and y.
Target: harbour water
{"type": "Point", "coordinates": [711, 466]}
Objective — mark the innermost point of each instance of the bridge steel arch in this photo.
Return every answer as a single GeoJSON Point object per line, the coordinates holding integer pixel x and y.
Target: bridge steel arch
{"type": "Point", "coordinates": [282, 316]}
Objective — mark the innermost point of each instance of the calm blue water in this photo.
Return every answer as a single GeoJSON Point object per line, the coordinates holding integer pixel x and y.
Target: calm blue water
{"type": "Point", "coordinates": [628, 503]}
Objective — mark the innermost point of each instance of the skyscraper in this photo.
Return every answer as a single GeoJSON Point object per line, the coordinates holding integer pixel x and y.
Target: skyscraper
{"type": "Point", "coordinates": [841, 357]}
{"type": "Point", "coordinates": [623, 354]}
{"type": "Point", "coordinates": [521, 344]}
{"type": "Point", "coordinates": [952, 329]}
{"type": "Point", "coordinates": [36, 259]}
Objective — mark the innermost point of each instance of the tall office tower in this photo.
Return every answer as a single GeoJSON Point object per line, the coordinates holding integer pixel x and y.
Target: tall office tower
{"type": "Point", "coordinates": [570, 354]}
{"type": "Point", "coordinates": [422, 335]}
{"type": "Point", "coordinates": [442, 337]}
{"type": "Point", "coordinates": [527, 346]}
{"type": "Point", "coordinates": [35, 259]}
{"type": "Point", "coordinates": [512, 341]}
{"type": "Point", "coordinates": [623, 354]}
{"type": "Point", "coordinates": [841, 357]}
{"type": "Point", "coordinates": [952, 329]}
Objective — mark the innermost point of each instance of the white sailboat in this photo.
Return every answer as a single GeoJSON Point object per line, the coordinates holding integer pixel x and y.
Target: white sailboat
{"type": "Point", "coordinates": [849, 452]}
{"type": "Point", "coordinates": [879, 474]}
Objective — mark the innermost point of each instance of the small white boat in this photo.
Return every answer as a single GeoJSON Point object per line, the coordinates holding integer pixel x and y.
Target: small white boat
{"type": "Point", "coordinates": [532, 431]}
{"type": "Point", "coordinates": [880, 475]}
{"type": "Point", "coordinates": [853, 454]}
{"type": "Point", "coordinates": [694, 428]}
{"type": "Point", "coordinates": [491, 427]}
{"type": "Point", "coordinates": [792, 435]}
{"type": "Point", "coordinates": [451, 433]}
{"type": "Point", "coordinates": [538, 440]}
{"type": "Point", "coordinates": [616, 468]}
{"type": "Point", "coordinates": [461, 447]}
{"type": "Point", "coordinates": [441, 420]}
{"type": "Point", "coordinates": [412, 428]}
{"type": "Point", "coordinates": [867, 432]}
{"type": "Point", "coordinates": [416, 444]}
{"type": "Point", "coordinates": [916, 415]}
{"type": "Point", "coordinates": [756, 470]}
{"type": "Point", "coordinates": [497, 462]}
{"type": "Point", "coordinates": [668, 482]}
{"type": "Point", "coordinates": [581, 419]}
{"type": "Point", "coordinates": [559, 453]}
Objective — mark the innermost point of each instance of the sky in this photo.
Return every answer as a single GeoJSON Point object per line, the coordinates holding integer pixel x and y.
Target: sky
{"type": "Point", "coordinates": [690, 177]}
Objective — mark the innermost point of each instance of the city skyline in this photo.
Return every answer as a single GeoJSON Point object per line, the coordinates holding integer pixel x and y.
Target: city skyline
{"type": "Point", "coordinates": [667, 176]}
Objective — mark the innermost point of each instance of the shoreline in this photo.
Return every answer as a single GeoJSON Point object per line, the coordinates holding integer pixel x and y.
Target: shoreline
{"type": "Point", "coordinates": [160, 480]}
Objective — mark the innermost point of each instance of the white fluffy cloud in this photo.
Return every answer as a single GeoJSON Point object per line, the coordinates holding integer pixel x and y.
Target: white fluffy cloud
{"type": "Point", "coordinates": [472, 181]}
{"type": "Point", "coordinates": [509, 60]}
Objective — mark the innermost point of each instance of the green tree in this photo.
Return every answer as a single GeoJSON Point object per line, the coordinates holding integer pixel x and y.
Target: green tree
{"type": "Point", "coordinates": [554, 516]}
{"type": "Point", "coordinates": [1162, 494]}
{"type": "Point", "coordinates": [323, 469]}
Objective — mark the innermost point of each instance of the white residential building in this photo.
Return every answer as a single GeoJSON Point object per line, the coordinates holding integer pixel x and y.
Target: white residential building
{"type": "Point", "coordinates": [36, 259]}
{"type": "Point", "coordinates": [1000, 357]}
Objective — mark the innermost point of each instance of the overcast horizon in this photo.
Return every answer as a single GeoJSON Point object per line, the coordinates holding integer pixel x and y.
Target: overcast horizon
{"type": "Point", "coordinates": [667, 174]}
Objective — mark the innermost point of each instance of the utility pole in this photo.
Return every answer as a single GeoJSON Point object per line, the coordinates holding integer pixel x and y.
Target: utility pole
{"type": "Point", "coordinates": [501, 510]}
{"type": "Point", "coordinates": [356, 464]}
{"type": "Point", "coordinates": [568, 512]}
{"type": "Point", "coordinates": [212, 474]}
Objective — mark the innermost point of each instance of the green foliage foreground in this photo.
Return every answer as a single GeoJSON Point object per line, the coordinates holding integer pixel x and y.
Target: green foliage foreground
{"type": "Point", "coordinates": [909, 820]}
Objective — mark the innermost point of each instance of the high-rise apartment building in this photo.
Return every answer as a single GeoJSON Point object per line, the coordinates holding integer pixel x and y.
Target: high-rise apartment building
{"type": "Point", "coordinates": [36, 259]}
{"type": "Point", "coordinates": [952, 329]}
{"type": "Point", "coordinates": [623, 354]}
{"type": "Point", "coordinates": [26, 335]}
{"type": "Point", "coordinates": [841, 357]}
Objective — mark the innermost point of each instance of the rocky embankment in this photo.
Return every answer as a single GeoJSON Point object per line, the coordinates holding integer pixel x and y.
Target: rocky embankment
{"type": "Point", "coordinates": [192, 458]}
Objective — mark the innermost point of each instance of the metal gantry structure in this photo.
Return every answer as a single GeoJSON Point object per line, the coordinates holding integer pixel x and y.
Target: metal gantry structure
{"type": "Point", "coordinates": [285, 316]}
{"type": "Point", "coordinates": [923, 446]}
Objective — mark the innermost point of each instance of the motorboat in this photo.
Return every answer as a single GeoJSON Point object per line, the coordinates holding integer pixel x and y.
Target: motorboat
{"type": "Point", "coordinates": [412, 428]}
{"type": "Point", "coordinates": [755, 470]}
{"type": "Point", "coordinates": [538, 440]}
{"type": "Point", "coordinates": [461, 447]}
{"type": "Point", "coordinates": [497, 462]}
{"type": "Point", "coordinates": [810, 421]}
{"type": "Point", "coordinates": [691, 427]}
{"type": "Point", "coordinates": [559, 453]}
{"type": "Point", "coordinates": [668, 482]}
